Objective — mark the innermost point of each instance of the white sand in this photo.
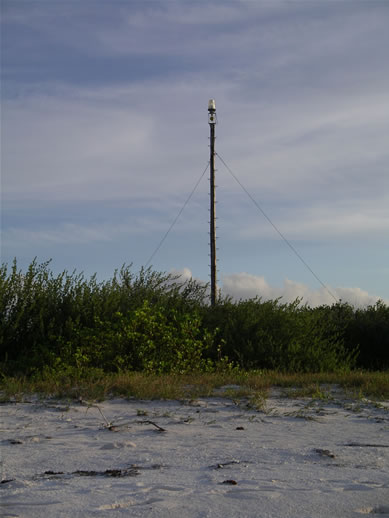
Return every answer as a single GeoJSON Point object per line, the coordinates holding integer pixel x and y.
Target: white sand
{"type": "Point", "coordinates": [298, 459]}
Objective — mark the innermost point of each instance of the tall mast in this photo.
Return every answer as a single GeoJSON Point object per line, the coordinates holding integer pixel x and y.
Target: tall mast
{"type": "Point", "coordinates": [212, 230]}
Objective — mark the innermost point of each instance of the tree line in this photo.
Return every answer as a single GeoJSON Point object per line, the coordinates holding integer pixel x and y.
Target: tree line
{"type": "Point", "coordinates": [153, 322]}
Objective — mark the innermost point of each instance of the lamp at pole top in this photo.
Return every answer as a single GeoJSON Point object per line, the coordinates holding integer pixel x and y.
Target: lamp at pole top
{"type": "Point", "coordinates": [211, 105]}
{"type": "Point", "coordinates": [212, 111]}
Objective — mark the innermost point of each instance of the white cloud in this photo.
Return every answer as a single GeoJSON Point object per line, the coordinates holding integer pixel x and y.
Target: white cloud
{"type": "Point", "coordinates": [184, 274]}
{"type": "Point", "coordinates": [244, 286]}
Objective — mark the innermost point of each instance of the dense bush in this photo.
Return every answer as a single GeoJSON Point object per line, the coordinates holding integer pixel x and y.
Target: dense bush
{"type": "Point", "coordinates": [273, 335]}
{"type": "Point", "coordinates": [149, 338]}
{"type": "Point", "coordinates": [369, 329]}
{"type": "Point", "coordinates": [366, 329]}
{"type": "Point", "coordinates": [153, 322]}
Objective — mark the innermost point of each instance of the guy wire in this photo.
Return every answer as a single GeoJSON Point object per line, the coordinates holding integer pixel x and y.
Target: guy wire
{"type": "Point", "coordinates": [178, 215]}
{"type": "Point", "coordinates": [277, 230]}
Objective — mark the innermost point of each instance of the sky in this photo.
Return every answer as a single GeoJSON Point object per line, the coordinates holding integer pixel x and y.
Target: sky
{"type": "Point", "coordinates": [104, 135]}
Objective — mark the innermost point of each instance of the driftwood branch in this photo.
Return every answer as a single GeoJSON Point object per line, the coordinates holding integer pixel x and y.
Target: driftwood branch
{"type": "Point", "coordinates": [159, 428]}
{"type": "Point", "coordinates": [107, 423]}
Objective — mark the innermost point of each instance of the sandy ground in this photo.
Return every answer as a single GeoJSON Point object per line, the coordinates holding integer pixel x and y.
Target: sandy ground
{"type": "Point", "coordinates": [206, 458]}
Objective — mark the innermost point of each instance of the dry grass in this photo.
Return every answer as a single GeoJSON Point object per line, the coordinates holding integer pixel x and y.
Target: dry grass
{"type": "Point", "coordinates": [188, 386]}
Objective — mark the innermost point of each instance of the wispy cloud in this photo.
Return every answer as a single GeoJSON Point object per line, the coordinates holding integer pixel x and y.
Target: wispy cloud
{"type": "Point", "coordinates": [97, 145]}
{"type": "Point", "coordinates": [109, 105]}
{"type": "Point", "coordinates": [69, 233]}
{"type": "Point", "coordinates": [64, 234]}
{"type": "Point", "coordinates": [331, 221]}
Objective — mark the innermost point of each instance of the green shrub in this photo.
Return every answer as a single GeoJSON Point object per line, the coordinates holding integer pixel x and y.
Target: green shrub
{"type": "Point", "coordinates": [155, 323]}
{"type": "Point", "coordinates": [149, 338]}
{"type": "Point", "coordinates": [272, 335]}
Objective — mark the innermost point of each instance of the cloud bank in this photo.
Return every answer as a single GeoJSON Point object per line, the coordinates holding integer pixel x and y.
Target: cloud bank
{"type": "Point", "coordinates": [241, 286]}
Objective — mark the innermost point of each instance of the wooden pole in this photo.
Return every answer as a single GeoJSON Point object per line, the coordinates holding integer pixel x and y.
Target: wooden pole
{"type": "Point", "coordinates": [212, 231]}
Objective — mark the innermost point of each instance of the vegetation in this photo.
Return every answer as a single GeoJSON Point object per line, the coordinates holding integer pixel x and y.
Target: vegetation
{"type": "Point", "coordinates": [236, 384]}
{"type": "Point", "coordinates": [68, 327]}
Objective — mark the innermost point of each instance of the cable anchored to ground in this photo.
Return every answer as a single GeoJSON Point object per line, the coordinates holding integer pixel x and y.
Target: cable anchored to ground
{"type": "Point", "coordinates": [178, 215]}
{"type": "Point", "coordinates": [298, 255]}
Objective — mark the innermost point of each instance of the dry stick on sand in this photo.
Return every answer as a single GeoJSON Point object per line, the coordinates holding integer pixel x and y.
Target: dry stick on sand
{"type": "Point", "coordinates": [107, 423]}
{"type": "Point", "coordinates": [159, 428]}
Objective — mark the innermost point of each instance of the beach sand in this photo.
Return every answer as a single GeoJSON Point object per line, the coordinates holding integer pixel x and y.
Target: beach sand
{"type": "Point", "coordinates": [212, 457]}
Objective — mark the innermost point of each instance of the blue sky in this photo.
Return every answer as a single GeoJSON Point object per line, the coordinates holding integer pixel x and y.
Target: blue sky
{"type": "Point", "coordinates": [105, 133]}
